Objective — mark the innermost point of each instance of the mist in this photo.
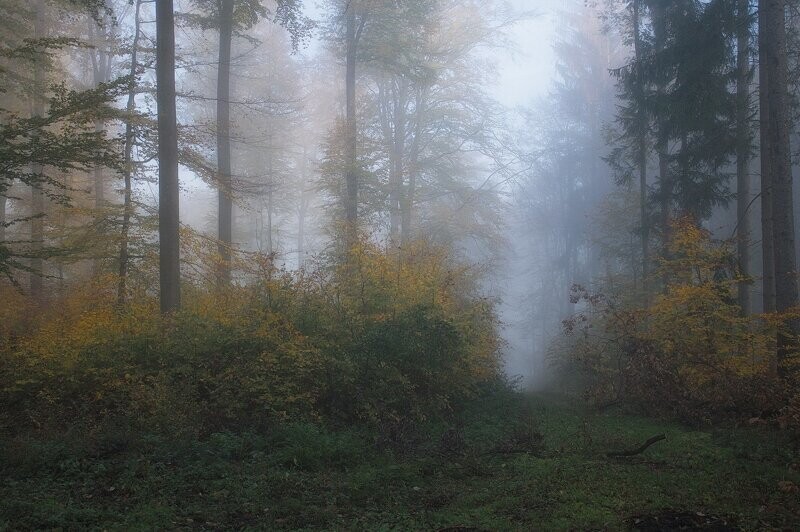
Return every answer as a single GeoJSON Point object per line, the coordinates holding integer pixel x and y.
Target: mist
{"type": "Point", "coordinates": [399, 264]}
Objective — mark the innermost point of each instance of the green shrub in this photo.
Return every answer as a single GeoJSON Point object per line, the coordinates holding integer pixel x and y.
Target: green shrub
{"type": "Point", "coordinates": [383, 341]}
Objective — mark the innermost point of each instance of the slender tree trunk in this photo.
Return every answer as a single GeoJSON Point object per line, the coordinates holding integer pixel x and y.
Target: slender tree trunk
{"type": "Point", "coordinates": [101, 70]}
{"type": "Point", "coordinates": [767, 232]}
{"type": "Point", "coordinates": [302, 212]}
{"type": "Point", "coordinates": [662, 144]}
{"type": "Point", "coordinates": [786, 293]}
{"type": "Point", "coordinates": [224, 140]}
{"type": "Point", "coordinates": [270, 245]}
{"type": "Point", "coordinates": [168, 192]}
{"type": "Point", "coordinates": [351, 131]}
{"type": "Point", "coordinates": [37, 196]}
{"type": "Point", "coordinates": [398, 149]}
{"type": "Point", "coordinates": [301, 231]}
{"type": "Point", "coordinates": [743, 152]}
{"type": "Point", "coordinates": [642, 151]}
{"type": "Point", "coordinates": [3, 201]}
{"type": "Point", "coordinates": [413, 168]}
{"type": "Point", "coordinates": [102, 74]}
{"type": "Point", "coordinates": [99, 178]}
{"type": "Point", "coordinates": [127, 206]}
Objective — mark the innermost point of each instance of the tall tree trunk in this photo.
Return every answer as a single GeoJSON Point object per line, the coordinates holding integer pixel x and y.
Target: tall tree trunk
{"type": "Point", "coordinates": [662, 144]}
{"type": "Point", "coordinates": [398, 150]}
{"type": "Point", "coordinates": [786, 293]}
{"type": "Point", "coordinates": [270, 243]}
{"type": "Point", "coordinates": [225, 227]}
{"type": "Point", "coordinates": [101, 70]}
{"type": "Point", "coordinates": [642, 150]}
{"type": "Point", "coordinates": [127, 206]}
{"type": "Point", "coordinates": [302, 212]}
{"type": "Point", "coordinates": [37, 196]}
{"type": "Point", "coordinates": [767, 232]}
{"type": "Point", "coordinates": [101, 73]}
{"type": "Point", "coordinates": [3, 201]}
{"type": "Point", "coordinates": [168, 193]}
{"type": "Point", "coordinates": [99, 178]}
{"type": "Point", "coordinates": [743, 152]}
{"type": "Point", "coordinates": [413, 168]}
{"type": "Point", "coordinates": [351, 131]}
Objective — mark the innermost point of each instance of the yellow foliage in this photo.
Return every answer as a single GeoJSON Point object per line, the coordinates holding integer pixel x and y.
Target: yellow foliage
{"type": "Point", "coordinates": [690, 352]}
{"type": "Point", "coordinates": [378, 336]}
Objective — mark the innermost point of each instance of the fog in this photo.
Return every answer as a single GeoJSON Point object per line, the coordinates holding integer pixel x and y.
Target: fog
{"type": "Point", "coordinates": [525, 70]}
{"type": "Point", "coordinates": [399, 264]}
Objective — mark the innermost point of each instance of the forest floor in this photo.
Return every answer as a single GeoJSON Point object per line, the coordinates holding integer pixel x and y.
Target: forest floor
{"type": "Point", "coordinates": [493, 471]}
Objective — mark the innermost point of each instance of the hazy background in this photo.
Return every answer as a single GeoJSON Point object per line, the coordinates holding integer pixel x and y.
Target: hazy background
{"type": "Point", "coordinates": [525, 73]}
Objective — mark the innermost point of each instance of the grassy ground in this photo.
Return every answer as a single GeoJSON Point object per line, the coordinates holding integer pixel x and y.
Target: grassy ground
{"type": "Point", "coordinates": [474, 473]}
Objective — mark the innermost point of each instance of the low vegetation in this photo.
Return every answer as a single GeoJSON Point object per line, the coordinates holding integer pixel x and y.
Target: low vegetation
{"type": "Point", "coordinates": [501, 463]}
{"type": "Point", "coordinates": [687, 353]}
{"type": "Point", "coordinates": [375, 340]}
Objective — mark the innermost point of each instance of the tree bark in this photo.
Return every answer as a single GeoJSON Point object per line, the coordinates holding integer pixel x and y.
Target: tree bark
{"type": "Point", "coordinates": [786, 293]}
{"type": "Point", "coordinates": [767, 232]}
{"type": "Point", "coordinates": [3, 201]}
{"type": "Point", "coordinates": [642, 151]}
{"type": "Point", "coordinates": [127, 201]}
{"type": "Point", "coordinates": [168, 192]}
{"type": "Point", "coordinates": [743, 152]}
{"type": "Point", "coordinates": [37, 196]}
{"type": "Point", "coordinates": [225, 216]}
{"type": "Point", "coordinates": [662, 144]}
{"type": "Point", "coordinates": [351, 132]}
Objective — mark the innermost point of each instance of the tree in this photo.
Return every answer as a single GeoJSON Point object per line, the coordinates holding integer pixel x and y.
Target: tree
{"type": "Point", "coordinates": [37, 198]}
{"type": "Point", "coordinates": [354, 27]}
{"type": "Point", "coordinates": [777, 114]}
{"type": "Point", "coordinates": [225, 212]}
{"type": "Point", "coordinates": [127, 171]}
{"type": "Point", "coordinates": [743, 149]}
{"type": "Point", "coordinates": [45, 130]}
{"type": "Point", "coordinates": [767, 232]}
{"type": "Point", "coordinates": [168, 193]}
{"type": "Point", "coordinates": [641, 146]}
{"type": "Point", "coordinates": [231, 18]}
{"type": "Point", "coordinates": [688, 103]}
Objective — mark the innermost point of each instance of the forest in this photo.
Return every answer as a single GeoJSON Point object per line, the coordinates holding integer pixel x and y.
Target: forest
{"type": "Point", "coordinates": [451, 265]}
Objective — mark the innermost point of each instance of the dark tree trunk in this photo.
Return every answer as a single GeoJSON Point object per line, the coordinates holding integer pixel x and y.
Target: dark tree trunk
{"type": "Point", "coordinates": [127, 201]}
{"type": "Point", "coordinates": [642, 150]}
{"type": "Point", "coordinates": [786, 294]}
{"type": "Point", "coordinates": [168, 193]}
{"type": "Point", "coordinates": [225, 221]}
{"type": "Point", "coordinates": [743, 152]}
{"type": "Point", "coordinates": [351, 132]}
{"type": "Point", "coordinates": [37, 196]}
{"type": "Point", "coordinates": [3, 201]}
{"type": "Point", "coordinates": [662, 144]}
{"type": "Point", "coordinates": [767, 238]}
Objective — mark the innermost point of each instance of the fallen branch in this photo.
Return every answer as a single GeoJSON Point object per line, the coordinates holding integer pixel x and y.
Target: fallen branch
{"type": "Point", "coordinates": [638, 450]}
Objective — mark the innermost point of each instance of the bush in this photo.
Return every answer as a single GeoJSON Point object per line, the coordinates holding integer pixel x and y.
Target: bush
{"type": "Point", "coordinates": [690, 353]}
{"type": "Point", "coordinates": [378, 338]}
